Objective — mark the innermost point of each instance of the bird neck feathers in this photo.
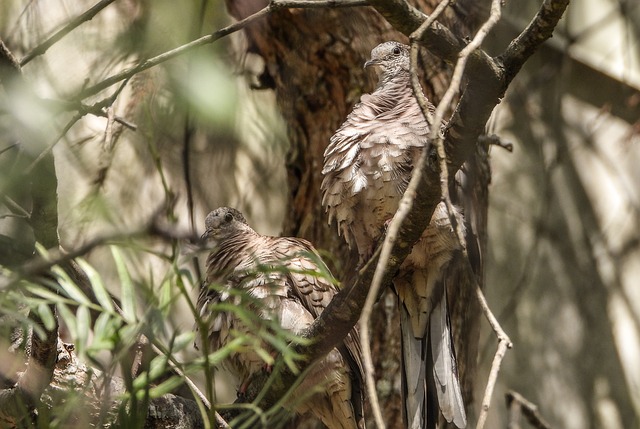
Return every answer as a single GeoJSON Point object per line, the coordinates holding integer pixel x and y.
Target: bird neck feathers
{"type": "Point", "coordinates": [226, 252]}
{"type": "Point", "coordinates": [392, 93]}
{"type": "Point", "coordinates": [394, 78]}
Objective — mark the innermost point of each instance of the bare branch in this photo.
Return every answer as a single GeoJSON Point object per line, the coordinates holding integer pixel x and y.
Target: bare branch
{"type": "Point", "coordinates": [313, 4]}
{"type": "Point", "coordinates": [435, 135]}
{"type": "Point", "coordinates": [537, 32]}
{"type": "Point", "coordinates": [504, 343]}
{"type": "Point", "coordinates": [491, 382]}
{"type": "Point", "coordinates": [496, 141]}
{"type": "Point", "coordinates": [205, 40]}
{"type": "Point", "coordinates": [529, 409]}
{"type": "Point", "coordinates": [173, 363]}
{"type": "Point", "coordinates": [75, 22]}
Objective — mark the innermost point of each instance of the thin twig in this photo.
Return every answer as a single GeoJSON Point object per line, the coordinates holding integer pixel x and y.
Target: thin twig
{"type": "Point", "coordinates": [456, 80]}
{"type": "Point", "coordinates": [491, 382]}
{"type": "Point", "coordinates": [424, 104]}
{"type": "Point", "coordinates": [37, 266]}
{"type": "Point", "coordinates": [528, 408]}
{"type": "Point", "coordinates": [75, 22]}
{"type": "Point", "coordinates": [99, 106]}
{"type": "Point", "coordinates": [7, 148]}
{"type": "Point", "coordinates": [436, 136]}
{"type": "Point", "coordinates": [173, 363]}
{"type": "Point", "coordinates": [97, 109]}
{"type": "Point", "coordinates": [54, 142]}
{"type": "Point", "coordinates": [495, 140]}
{"type": "Point", "coordinates": [273, 6]}
{"type": "Point", "coordinates": [15, 208]}
{"type": "Point", "coordinates": [504, 343]}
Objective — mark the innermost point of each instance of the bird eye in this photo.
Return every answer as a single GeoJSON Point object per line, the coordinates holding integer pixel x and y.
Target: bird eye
{"type": "Point", "coordinates": [396, 51]}
{"type": "Point", "coordinates": [228, 217]}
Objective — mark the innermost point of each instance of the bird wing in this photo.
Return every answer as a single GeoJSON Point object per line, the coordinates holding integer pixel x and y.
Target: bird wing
{"type": "Point", "coordinates": [315, 287]}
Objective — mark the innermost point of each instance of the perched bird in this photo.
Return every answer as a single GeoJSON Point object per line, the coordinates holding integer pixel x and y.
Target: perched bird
{"type": "Point", "coordinates": [254, 278]}
{"type": "Point", "coordinates": [367, 167]}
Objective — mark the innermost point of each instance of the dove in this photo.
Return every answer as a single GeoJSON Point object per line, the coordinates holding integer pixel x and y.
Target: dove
{"type": "Point", "coordinates": [282, 280]}
{"type": "Point", "coordinates": [367, 167]}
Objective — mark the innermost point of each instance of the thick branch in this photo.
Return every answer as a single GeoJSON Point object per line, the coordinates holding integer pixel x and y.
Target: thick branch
{"type": "Point", "coordinates": [487, 78]}
{"type": "Point", "coordinates": [537, 32]}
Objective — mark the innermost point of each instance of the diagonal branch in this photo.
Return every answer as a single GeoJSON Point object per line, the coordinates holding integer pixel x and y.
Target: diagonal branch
{"type": "Point", "coordinates": [539, 30]}
{"type": "Point", "coordinates": [518, 404]}
{"type": "Point", "coordinates": [57, 36]}
{"type": "Point", "coordinates": [273, 6]}
{"type": "Point", "coordinates": [487, 77]}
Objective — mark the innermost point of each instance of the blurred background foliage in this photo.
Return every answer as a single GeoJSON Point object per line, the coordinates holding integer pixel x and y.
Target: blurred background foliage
{"type": "Point", "coordinates": [201, 131]}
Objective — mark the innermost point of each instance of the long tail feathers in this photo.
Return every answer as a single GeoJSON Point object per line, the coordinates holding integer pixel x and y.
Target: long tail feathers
{"type": "Point", "coordinates": [414, 381]}
{"type": "Point", "coordinates": [445, 371]}
{"type": "Point", "coordinates": [418, 404]}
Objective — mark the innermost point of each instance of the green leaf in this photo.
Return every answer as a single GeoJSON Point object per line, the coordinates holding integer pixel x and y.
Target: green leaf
{"type": "Point", "coordinates": [165, 387]}
{"type": "Point", "coordinates": [128, 294]}
{"type": "Point", "coordinates": [103, 328]}
{"type": "Point", "coordinates": [44, 293]}
{"type": "Point", "coordinates": [103, 297]}
{"type": "Point", "coordinates": [46, 315]}
{"type": "Point", "coordinates": [70, 287]}
{"type": "Point", "coordinates": [129, 334]}
{"type": "Point", "coordinates": [84, 324]}
{"type": "Point", "coordinates": [157, 367]}
{"type": "Point", "coordinates": [264, 355]}
{"type": "Point", "coordinates": [69, 320]}
{"type": "Point", "coordinates": [183, 340]}
{"type": "Point", "coordinates": [164, 295]}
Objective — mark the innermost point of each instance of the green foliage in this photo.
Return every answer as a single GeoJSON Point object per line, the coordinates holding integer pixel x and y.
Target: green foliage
{"type": "Point", "coordinates": [106, 336]}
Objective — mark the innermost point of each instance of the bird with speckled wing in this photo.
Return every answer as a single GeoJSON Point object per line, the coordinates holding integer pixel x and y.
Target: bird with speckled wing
{"type": "Point", "coordinates": [281, 280]}
{"type": "Point", "coordinates": [367, 167]}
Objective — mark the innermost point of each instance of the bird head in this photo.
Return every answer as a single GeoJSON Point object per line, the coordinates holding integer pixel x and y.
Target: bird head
{"type": "Point", "coordinates": [223, 222]}
{"type": "Point", "coordinates": [391, 57]}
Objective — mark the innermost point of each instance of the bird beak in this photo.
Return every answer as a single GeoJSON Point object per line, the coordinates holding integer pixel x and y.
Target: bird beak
{"type": "Point", "coordinates": [371, 62]}
{"type": "Point", "coordinates": [204, 236]}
